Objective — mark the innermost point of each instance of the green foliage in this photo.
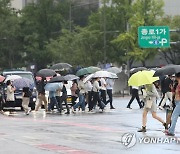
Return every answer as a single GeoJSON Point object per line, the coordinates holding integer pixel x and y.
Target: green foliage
{"type": "Point", "coordinates": [144, 13]}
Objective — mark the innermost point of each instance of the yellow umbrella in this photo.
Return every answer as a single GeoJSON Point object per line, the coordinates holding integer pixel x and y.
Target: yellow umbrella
{"type": "Point", "coordinates": [142, 78]}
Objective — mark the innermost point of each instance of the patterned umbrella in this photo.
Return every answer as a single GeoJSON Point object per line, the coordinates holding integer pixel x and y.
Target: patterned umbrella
{"type": "Point", "coordinates": [23, 82]}
{"type": "Point", "coordinates": [12, 78]}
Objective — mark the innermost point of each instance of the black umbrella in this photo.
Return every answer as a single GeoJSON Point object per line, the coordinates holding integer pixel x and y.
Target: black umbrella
{"type": "Point", "coordinates": [45, 73]}
{"type": "Point", "coordinates": [134, 70]}
{"type": "Point", "coordinates": [168, 70]}
{"type": "Point", "coordinates": [58, 79]}
{"type": "Point", "coordinates": [61, 66]}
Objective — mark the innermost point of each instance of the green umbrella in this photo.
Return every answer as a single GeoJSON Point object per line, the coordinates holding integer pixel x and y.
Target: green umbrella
{"type": "Point", "coordinates": [87, 70]}
{"type": "Point", "coordinates": [93, 69]}
{"type": "Point", "coordinates": [82, 71]}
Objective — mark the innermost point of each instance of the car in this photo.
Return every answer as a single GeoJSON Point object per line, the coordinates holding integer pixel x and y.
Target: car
{"type": "Point", "coordinates": [18, 92]}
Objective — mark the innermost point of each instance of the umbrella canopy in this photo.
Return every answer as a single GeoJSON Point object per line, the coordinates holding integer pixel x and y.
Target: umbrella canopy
{"type": "Point", "coordinates": [46, 73]}
{"type": "Point", "coordinates": [2, 78]}
{"type": "Point", "coordinates": [87, 70]}
{"type": "Point", "coordinates": [168, 70]}
{"type": "Point", "coordinates": [82, 71]}
{"type": "Point", "coordinates": [134, 70]}
{"type": "Point", "coordinates": [12, 77]}
{"type": "Point", "coordinates": [61, 66]}
{"type": "Point", "coordinates": [71, 77]}
{"type": "Point", "coordinates": [113, 76]}
{"type": "Point", "coordinates": [87, 78]}
{"type": "Point", "coordinates": [23, 82]}
{"type": "Point", "coordinates": [102, 74]}
{"type": "Point", "coordinates": [58, 79]}
{"type": "Point", "coordinates": [115, 70]}
{"type": "Point", "coordinates": [53, 86]}
{"type": "Point", "coordinates": [92, 69]}
{"type": "Point", "coordinates": [142, 78]}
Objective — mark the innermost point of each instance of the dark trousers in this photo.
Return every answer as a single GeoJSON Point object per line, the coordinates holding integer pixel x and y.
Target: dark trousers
{"type": "Point", "coordinates": [1, 104]}
{"type": "Point", "coordinates": [134, 95]}
{"type": "Point", "coordinates": [64, 99]}
{"type": "Point", "coordinates": [58, 98]}
{"type": "Point", "coordinates": [109, 92]}
{"type": "Point", "coordinates": [96, 99]}
{"type": "Point", "coordinates": [103, 96]}
{"type": "Point", "coordinates": [74, 98]}
{"type": "Point", "coordinates": [89, 98]}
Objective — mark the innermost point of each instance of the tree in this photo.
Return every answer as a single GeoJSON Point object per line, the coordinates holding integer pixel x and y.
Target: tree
{"type": "Point", "coordinates": [172, 55]}
{"type": "Point", "coordinates": [41, 22]}
{"type": "Point", "coordinates": [10, 41]}
{"type": "Point", "coordinates": [144, 13]}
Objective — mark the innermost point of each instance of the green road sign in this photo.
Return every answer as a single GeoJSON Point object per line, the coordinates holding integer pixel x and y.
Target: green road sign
{"type": "Point", "coordinates": [153, 37]}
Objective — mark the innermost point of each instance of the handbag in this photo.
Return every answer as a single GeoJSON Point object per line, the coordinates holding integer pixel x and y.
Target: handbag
{"type": "Point", "coordinates": [148, 103]}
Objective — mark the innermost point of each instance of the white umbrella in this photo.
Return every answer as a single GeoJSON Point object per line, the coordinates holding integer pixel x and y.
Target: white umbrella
{"type": "Point", "coordinates": [115, 70]}
{"type": "Point", "coordinates": [12, 78]}
{"type": "Point", "coordinates": [87, 78]}
{"type": "Point", "coordinates": [113, 76]}
{"type": "Point", "coordinates": [102, 74]}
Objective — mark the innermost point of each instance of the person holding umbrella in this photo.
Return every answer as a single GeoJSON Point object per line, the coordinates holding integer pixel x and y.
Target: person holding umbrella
{"type": "Point", "coordinates": [96, 96]}
{"type": "Point", "coordinates": [150, 105]}
{"type": "Point", "coordinates": [63, 98]}
{"type": "Point", "coordinates": [176, 112]}
{"type": "Point", "coordinates": [134, 94]}
{"type": "Point", "coordinates": [25, 99]}
{"type": "Point", "coordinates": [41, 95]}
{"type": "Point", "coordinates": [110, 84]}
{"type": "Point", "coordinates": [81, 87]}
{"type": "Point", "coordinates": [10, 94]}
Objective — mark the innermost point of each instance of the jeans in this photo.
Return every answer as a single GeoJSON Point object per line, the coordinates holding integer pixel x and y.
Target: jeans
{"type": "Point", "coordinates": [53, 102]}
{"type": "Point", "coordinates": [81, 102]}
{"type": "Point", "coordinates": [174, 117]}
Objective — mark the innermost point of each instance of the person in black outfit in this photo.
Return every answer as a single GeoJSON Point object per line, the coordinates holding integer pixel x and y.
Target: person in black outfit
{"type": "Point", "coordinates": [2, 100]}
{"type": "Point", "coordinates": [166, 84]}
{"type": "Point", "coordinates": [134, 94]}
{"type": "Point", "coordinates": [64, 98]}
{"type": "Point", "coordinates": [25, 99]}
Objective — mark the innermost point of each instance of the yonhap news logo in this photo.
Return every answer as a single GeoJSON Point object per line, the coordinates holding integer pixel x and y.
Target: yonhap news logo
{"type": "Point", "coordinates": [129, 140]}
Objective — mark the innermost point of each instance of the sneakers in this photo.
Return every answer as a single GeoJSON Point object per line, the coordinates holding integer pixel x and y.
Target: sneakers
{"type": "Point", "coordinates": [112, 107]}
{"type": "Point", "coordinates": [67, 113]}
{"type": "Point", "coordinates": [165, 126]}
{"type": "Point", "coordinates": [73, 111]}
{"type": "Point", "coordinates": [168, 133]}
{"type": "Point", "coordinates": [143, 129]}
{"type": "Point", "coordinates": [128, 107]}
{"type": "Point", "coordinates": [27, 113]}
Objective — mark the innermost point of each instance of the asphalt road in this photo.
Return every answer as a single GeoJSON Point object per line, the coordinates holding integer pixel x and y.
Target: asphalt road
{"type": "Point", "coordinates": [110, 132]}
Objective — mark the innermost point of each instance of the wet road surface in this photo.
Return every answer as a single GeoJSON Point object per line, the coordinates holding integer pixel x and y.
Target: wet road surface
{"type": "Point", "coordinates": [108, 132]}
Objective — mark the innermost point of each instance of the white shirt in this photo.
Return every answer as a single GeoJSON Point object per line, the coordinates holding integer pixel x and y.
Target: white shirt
{"type": "Point", "coordinates": [88, 86]}
{"type": "Point", "coordinates": [103, 84]}
{"type": "Point", "coordinates": [134, 87]}
{"type": "Point", "coordinates": [96, 86]}
{"type": "Point", "coordinates": [81, 87]}
{"type": "Point", "coordinates": [110, 83]}
{"type": "Point", "coordinates": [10, 94]}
